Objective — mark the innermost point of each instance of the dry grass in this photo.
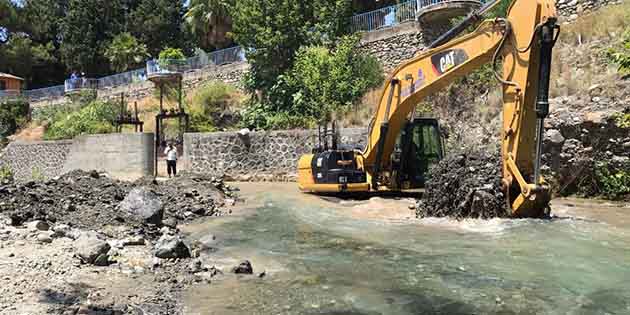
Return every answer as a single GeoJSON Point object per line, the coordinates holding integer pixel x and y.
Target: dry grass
{"type": "Point", "coordinates": [362, 113]}
{"type": "Point", "coordinates": [578, 60]}
{"type": "Point", "coordinates": [607, 22]}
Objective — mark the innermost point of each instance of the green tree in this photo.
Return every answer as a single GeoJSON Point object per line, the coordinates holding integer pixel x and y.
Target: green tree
{"type": "Point", "coordinates": [210, 21]}
{"type": "Point", "coordinates": [125, 52]}
{"type": "Point", "coordinates": [158, 23]}
{"type": "Point", "coordinates": [92, 118]}
{"type": "Point", "coordinates": [13, 115]}
{"type": "Point", "coordinates": [8, 19]}
{"type": "Point", "coordinates": [274, 30]}
{"type": "Point", "coordinates": [170, 53]}
{"type": "Point", "coordinates": [323, 81]}
{"type": "Point", "coordinates": [20, 56]}
{"type": "Point", "coordinates": [89, 25]}
{"type": "Point", "coordinates": [327, 81]}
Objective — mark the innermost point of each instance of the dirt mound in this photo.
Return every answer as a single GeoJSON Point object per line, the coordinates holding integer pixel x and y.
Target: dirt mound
{"type": "Point", "coordinates": [89, 200]}
{"type": "Point", "coordinates": [465, 186]}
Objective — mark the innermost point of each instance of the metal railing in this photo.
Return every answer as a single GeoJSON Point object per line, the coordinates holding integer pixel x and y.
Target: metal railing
{"type": "Point", "coordinates": [45, 93]}
{"type": "Point", "coordinates": [80, 84]}
{"type": "Point", "coordinates": [228, 55]}
{"type": "Point", "coordinates": [121, 79]}
{"type": "Point", "coordinates": [217, 58]}
{"type": "Point", "coordinates": [392, 15]}
{"type": "Point", "coordinates": [167, 67]}
{"type": "Point", "coordinates": [385, 17]}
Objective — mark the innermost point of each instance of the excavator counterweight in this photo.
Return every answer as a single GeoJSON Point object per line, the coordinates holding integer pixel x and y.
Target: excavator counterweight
{"type": "Point", "coordinates": [398, 151]}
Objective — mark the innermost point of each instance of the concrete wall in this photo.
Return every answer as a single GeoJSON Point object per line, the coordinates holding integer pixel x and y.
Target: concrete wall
{"type": "Point", "coordinates": [124, 156]}
{"type": "Point", "coordinates": [261, 156]}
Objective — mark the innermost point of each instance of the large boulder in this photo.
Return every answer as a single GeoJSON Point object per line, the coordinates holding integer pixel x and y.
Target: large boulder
{"type": "Point", "coordinates": [169, 246]}
{"type": "Point", "coordinates": [91, 248]}
{"type": "Point", "coordinates": [143, 204]}
{"type": "Point", "coordinates": [245, 267]}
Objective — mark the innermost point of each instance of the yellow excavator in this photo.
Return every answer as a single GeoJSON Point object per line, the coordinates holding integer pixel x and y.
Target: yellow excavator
{"type": "Point", "coordinates": [400, 148]}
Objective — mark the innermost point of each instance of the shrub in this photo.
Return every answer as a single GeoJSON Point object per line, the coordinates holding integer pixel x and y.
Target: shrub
{"type": "Point", "coordinates": [620, 55]}
{"type": "Point", "coordinates": [622, 120]}
{"type": "Point", "coordinates": [13, 115]}
{"type": "Point", "coordinates": [322, 83]}
{"type": "Point", "coordinates": [614, 184]}
{"type": "Point", "coordinates": [6, 175]}
{"type": "Point", "coordinates": [213, 106]}
{"type": "Point", "coordinates": [93, 118]}
{"type": "Point", "coordinates": [37, 174]}
{"type": "Point", "coordinates": [172, 54]}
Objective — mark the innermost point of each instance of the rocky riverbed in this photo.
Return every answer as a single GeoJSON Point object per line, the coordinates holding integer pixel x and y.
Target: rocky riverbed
{"type": "Point", "coordinates": [84, 243]}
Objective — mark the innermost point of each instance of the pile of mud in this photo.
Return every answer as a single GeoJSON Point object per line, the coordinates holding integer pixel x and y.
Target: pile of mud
{"type": "Point", "coordinates": [465, 186]}
{"type": "Point", "coordinates": [89, 200]}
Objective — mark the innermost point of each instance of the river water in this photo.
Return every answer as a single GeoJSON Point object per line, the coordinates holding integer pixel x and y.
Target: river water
{"type": "Point", "coordinates": [373, 257]}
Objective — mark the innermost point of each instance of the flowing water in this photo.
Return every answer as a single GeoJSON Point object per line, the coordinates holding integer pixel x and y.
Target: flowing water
{"type": "Point", "coordinates": [373, 257]}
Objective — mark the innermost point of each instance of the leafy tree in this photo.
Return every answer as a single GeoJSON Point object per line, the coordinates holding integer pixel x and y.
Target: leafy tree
{"type": "Point", "coordinates": [92, 118]}
{"type": "Point", "coordinates": [326, 81]}
{"type": "Point", "coordinates": [125, 52]}
{"type": "Point", "coordinates": [170, 53]}
{"type": "Point", "coordinates": [8, 19]}
{"type": "Point", "coordinates": [21, 56]}
{"type": "Point", "coordinates": [213, 107]}
{"type": "Point", "coordinates": [89, 25]}
{"type": "Point", "coordinates": [158, 23]}
{"type": "Point", "coordinates": [210, 21]}
{"type": "Point", "coordinates": [274, 30]}
{"type": "Point", "coordinates": [13, 114]}
{"type": "Point", "coordinates": [42, 20]}
{"type": "Point", "coordinates": [323, 81]}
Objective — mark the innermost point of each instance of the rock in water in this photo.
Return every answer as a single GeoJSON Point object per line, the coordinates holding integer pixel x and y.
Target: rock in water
{"type": "Point", "coordinates": [465, 186]}
{"type": "Point", "coordinates": [244, 267]}
{"type": "Point", "coordinates": [89, 247]}
{"type": "Point", "coordinates": [171, 247]}
{"type": "Point", "coordinates": [143, 204]}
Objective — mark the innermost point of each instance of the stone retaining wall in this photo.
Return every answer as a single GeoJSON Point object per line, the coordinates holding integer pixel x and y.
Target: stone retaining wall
{"type": "Point", "coordinates": [35, 160]}
{"type": "Point", "coordinates": [572, 9]}
{"type": "Point", "coordinates": [260, 156]}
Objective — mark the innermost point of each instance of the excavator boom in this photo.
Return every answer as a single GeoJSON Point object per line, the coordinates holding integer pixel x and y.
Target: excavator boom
{"type": "Point", "coordinates": [523, 41]}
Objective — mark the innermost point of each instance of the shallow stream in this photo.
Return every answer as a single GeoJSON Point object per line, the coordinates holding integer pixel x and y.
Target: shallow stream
{"type": "Point", "coordinates": [372, 257]}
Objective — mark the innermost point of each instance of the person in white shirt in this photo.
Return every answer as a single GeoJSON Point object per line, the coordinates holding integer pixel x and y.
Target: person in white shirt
{"type": "Point", "coordinates": [171, 159]}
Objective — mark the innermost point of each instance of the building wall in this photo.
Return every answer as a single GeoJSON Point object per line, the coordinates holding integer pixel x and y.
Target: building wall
{"type": "Point", "coordinates": [11, 84]}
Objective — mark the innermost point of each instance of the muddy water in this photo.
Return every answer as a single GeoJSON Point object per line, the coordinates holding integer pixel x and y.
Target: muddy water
{"type": "Point", "coordinates": [372, 257]}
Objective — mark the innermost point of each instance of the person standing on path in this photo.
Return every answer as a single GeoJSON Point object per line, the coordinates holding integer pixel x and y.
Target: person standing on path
{"type": "Point", "coordinates": [171, 159]}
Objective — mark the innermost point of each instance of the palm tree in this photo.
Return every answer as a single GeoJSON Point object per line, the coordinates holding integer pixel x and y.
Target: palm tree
{"type": "Point", "coordinates": [210, 21]}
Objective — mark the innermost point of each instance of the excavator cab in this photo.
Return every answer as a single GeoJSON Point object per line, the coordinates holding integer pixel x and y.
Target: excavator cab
{"type": "Point", "coordinates": [419, 145]}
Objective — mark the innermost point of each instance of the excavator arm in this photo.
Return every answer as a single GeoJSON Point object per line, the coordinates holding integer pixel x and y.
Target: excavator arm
{"type": "Point", "coordinates": [523, 41]}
